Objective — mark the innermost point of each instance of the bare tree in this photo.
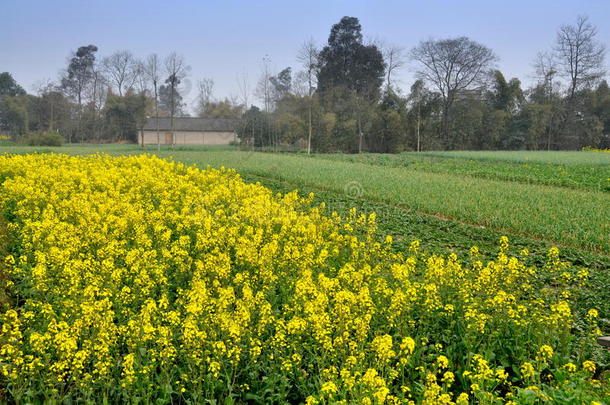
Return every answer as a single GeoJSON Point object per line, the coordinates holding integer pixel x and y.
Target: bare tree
{"type": "Point", "coordinates": [244, 89]}
{"type": "Point", "coordinates": [142, 87]}
{"type": "Point", "coordinates": [233, 100]}
{"type": "Point", "coordinates": [120, 69]}
{"type": "Point", "coordinates": [264, 92]}
{"type": "Point", "coordinates": [579, 54]}
{"type": "Point", "coordinates": [176, 71]}
{"type": "Point", "coordinates": [263, 88]}
{"type": "Point", "coordinates": [141, 82]}
{"type": "Point", "coordinates": [97, 94]}
{"type": "Point", "coordinates": [545, 72]}
{"type": "Point", "coordinates": [206, 90]}
{"type": "Point", "coordinates": [308, 57]}
{"type": "Point", "coordinates": [416, 97]}
{"type": "Point", "coordinates": [394, 57]}
{"type": "Point", "coordinates": [452, 66]}
{"type": "Point", "coordinates": [44, 88]}
{"type": "Point", "coordinates": [299, 84]}
{"type": "Point", "coordinates": [152, 70]}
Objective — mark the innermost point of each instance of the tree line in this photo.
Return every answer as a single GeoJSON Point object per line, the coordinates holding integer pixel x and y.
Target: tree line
{"type": "Point", "coordinates": [343, 97]}
{"type": "Point", "coordinates": [95, 100]}
{"type": "Point", "coordinates": [346, 97]}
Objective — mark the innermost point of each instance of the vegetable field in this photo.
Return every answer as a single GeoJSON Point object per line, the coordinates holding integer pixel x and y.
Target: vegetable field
{"type": "Point", "coordinates": [576, 217]}
{"type": "Point", "coordinates": [383, 279]}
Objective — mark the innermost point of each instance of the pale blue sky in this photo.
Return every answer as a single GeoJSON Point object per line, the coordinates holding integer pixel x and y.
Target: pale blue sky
{"type": "Point", "coordinates": [222, 39]}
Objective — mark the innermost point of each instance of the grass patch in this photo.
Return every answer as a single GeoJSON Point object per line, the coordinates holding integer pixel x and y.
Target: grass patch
{"type": "Point", "coordinates": [592, 176]}
{"type": "Point", "coordinates": [552, 157]}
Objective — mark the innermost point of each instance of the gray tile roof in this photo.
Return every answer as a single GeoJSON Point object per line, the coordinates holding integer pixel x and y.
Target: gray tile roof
{"type": "Point", "coordinates": [192, 124]}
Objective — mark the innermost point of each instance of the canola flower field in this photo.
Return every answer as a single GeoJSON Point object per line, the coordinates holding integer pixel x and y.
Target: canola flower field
{"type": "Point", "coordinates": [136, 279]}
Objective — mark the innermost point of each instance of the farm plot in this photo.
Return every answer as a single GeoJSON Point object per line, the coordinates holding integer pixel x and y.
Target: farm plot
{"type": "Point", "coordinates": [138, 279]}
{"type": "Point", "coordinates": [569, 217]}
{"type": "Point", "coordinates": [585, 170]}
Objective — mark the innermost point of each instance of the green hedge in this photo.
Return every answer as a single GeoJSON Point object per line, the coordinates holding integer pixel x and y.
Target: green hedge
{"type": "Point", "coordinates": [44, 139]}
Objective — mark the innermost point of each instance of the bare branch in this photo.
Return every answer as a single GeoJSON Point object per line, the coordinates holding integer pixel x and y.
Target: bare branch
{"type": "Point", "coordinates": [205, 97]}
{"type": "Point", "coordinates": [452, 66]}
{"type": "Point", "coordinates": [263, 88]}
{"type": "Point", "coordinates": [579, 55]}
{"type": "Point", "coordinates": [308, 57]}
{"type": "Point", "coordinates": [394, 57]}
{"type": "Point", "coordinates": [244, 89]}
{"type": "Point", "coordinates": [120, 70]}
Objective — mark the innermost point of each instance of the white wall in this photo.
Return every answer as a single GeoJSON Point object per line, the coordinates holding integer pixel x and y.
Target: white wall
{"type": "Point", "coordinates": [190, 138]}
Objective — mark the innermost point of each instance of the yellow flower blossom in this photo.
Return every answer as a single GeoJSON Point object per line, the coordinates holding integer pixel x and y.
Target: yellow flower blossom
{"type": "Point", "coordinates": [329, 387]}
{"type": "Point", "coordinates": [589, 366]}
{"type": "Point", "coordinates": [545, 353]}
{"type": "Point", "coordinates": [442, 362]}
{"type": "Point", "coordinates": [143, 274]}
{"type": "Point", "coordinates": [527, 370]}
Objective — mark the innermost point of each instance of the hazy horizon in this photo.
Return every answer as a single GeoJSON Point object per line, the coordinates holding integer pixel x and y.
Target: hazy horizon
{"type": "Point", "coordinates": [225, 40]}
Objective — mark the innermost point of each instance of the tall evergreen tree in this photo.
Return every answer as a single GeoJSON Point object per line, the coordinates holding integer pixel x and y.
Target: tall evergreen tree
{"type": "Point", "coordinates": [349, 79]}
{"type": "Point", "coordinates": [78, 76]}
{"type": "Point", "coordinates": [346, 62]}
{"type": "Point", "coordinates": [9, 87]}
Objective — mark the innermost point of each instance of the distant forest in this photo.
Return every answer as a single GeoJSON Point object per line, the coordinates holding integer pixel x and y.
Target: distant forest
{"type": "Point", "coordinates": [343, 97]}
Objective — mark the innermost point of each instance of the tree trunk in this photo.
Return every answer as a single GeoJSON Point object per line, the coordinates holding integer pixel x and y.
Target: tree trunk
{"type": "Point", "coordinates": [80, 114]}
{"type": "Point", "coordinates": [360, 135]}
{"type": "Point", "coordinates": [445, 124]}
{"type": "Point", "coordinates": [549, 133]}
{"type": "Point", "coordinates": [309, 129]}
{"type": "Point", "coordinates": [418, 118]}
{"type": "Point", "coordinates": [171, 122]}
{"type": "Point", "coordinates": [157, 118]}
{"type": "Point", "coordinates": [51, 121]}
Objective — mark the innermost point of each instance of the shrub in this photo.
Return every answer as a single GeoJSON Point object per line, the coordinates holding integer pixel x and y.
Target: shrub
{"type": "Point", "coordinates": [590, 149]}
{"type": "Point", "coordinates": [44, 139]}
{"type": "Point", "coordinates": [5, 139]}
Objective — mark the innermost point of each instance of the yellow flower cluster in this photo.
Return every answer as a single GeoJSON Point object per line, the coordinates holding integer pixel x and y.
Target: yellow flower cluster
{"type": "Point", "coordinates": [590, 149]}
{"type": "Point", "coordinates": [135, 277]}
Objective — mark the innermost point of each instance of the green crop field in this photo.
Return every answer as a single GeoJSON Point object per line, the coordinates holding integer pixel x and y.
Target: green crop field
{"type": "Point", "coordinates": [449, 202]}
{"type": "Point", "coordinates": [574, 217]}
{"type": "Point", "coordinates": [589, 170]}
{"type": "Point", "coordinates": [452, 199]}
{"type": "Point", "coordinates": [552, 157]}
{"type": "Point", "coordinates": [560, 198]}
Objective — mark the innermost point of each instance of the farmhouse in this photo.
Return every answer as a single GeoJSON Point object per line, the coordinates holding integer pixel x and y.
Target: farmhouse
{"type": "Point", "coordinates": [189, 131]}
